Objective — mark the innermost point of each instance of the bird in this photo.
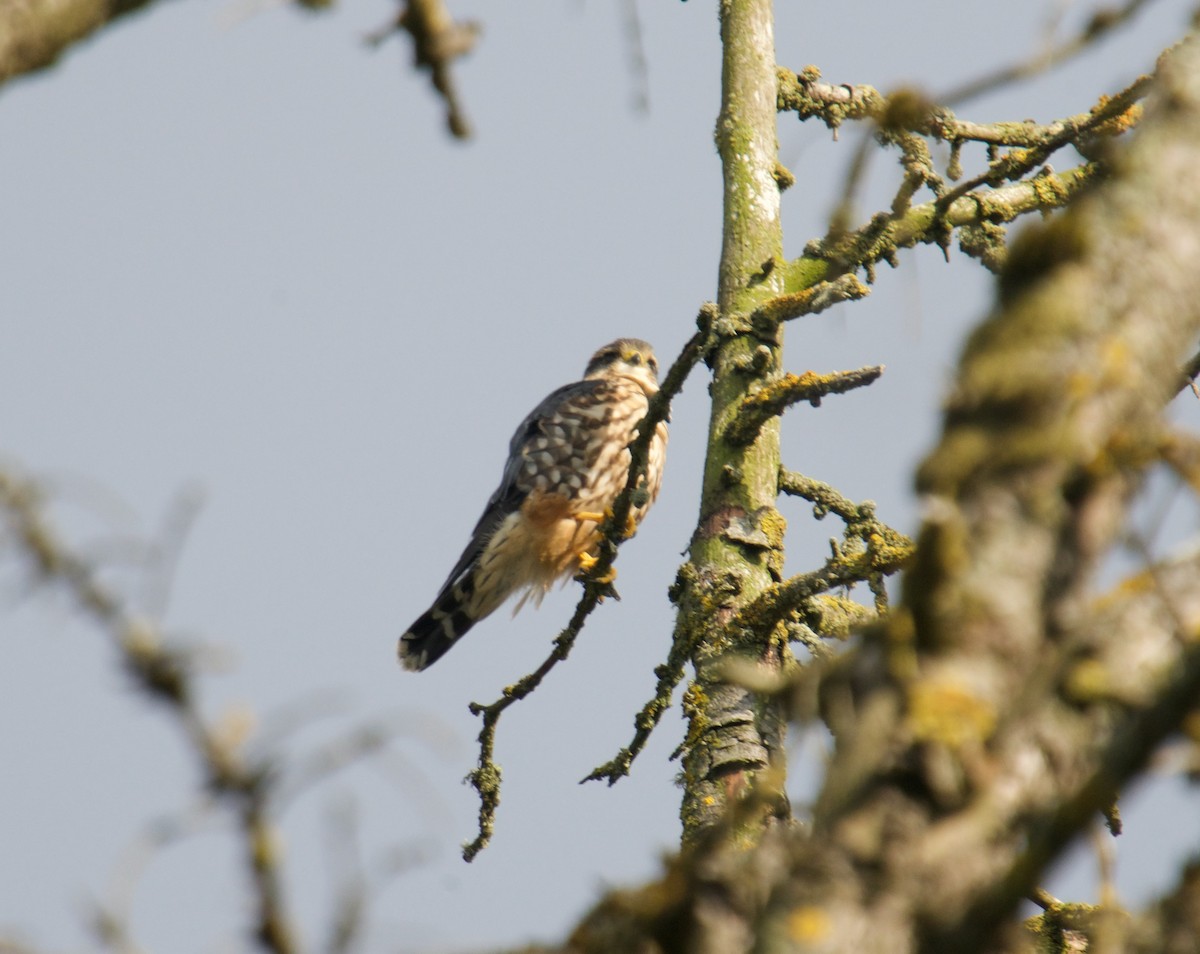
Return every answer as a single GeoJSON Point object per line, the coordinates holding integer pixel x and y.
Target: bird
{"type": "Point", "coordinates": [567, 462]}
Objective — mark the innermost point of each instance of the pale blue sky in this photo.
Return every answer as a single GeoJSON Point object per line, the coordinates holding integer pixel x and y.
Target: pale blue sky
{"type": "Point", "coordinates": [247, 263]}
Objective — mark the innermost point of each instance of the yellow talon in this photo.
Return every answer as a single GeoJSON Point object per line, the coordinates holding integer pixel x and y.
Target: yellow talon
{"type": "Point", "coordinates": [631, 523]}
{"type": "Point", "coordinates": [586, 562]}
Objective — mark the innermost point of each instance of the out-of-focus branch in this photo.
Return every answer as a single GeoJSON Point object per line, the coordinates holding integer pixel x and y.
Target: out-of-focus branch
{"type": "Point", "coordinates": [1172, 925]}
{"type": "Point", "coordinates": [35, 33]}
{"type": "Point", "coordinates": [1099, 25]}
{"type": "Point", "coordinates": [164, 674]}
{"type": "Point", "coordinates": [438, 40]}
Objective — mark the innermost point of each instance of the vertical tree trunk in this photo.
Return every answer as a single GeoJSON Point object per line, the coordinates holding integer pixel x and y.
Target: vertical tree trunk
{"type": "Point", "coordinates": [735, 739]}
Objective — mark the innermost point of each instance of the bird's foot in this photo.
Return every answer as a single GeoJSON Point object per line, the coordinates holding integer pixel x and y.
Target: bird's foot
{"type": "Point", "coordinates": [586, 564]}
{"type": "Point", "coordinates": [594, 517]}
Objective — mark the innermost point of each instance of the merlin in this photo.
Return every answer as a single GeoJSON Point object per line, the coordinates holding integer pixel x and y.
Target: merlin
{"type": "Point", "coordinates": [567, 463]}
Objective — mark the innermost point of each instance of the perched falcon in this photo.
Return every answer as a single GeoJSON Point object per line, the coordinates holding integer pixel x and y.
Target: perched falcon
{"type": "Point", "coordinates": [566, 464]}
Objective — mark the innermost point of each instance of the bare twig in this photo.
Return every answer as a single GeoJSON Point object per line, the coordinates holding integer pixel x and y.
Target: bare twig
{"type": "Point", "coordinates": [1102, 22]}
{"type": "Point", "coordinates": [636, 54]}
{"type": "Point", "coordinates": [669, 675]}
{"type": "Point", "coordinates": [810, 301]}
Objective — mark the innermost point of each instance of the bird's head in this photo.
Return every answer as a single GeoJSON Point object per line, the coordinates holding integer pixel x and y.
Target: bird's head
{"type": "Point", "coordinates": [626, 357]}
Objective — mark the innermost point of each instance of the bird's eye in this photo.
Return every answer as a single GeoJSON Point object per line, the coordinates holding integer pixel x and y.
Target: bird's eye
{"type": "Point", "coordinates": [653, 362]}
{"type": "Point", "coordinates": [635, 358]}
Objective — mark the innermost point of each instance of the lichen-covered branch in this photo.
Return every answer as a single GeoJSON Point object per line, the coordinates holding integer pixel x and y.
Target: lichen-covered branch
{"type": "Point", "coordinates": [811, 300]}
{"type": "Point", "coordinates": [773, 399]}
{"type": "Point", "coordinates": [668, 674]}
{"type": "Point", "coordinates": [905, 120]}
{"type": "Point", "coordinates": [882, 552]}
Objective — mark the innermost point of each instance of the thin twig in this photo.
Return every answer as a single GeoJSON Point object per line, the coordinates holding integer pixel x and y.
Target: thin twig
{"type": "Point", "coordinates": [1101, 23]}
{"type": "Point", "coordinates": [669, 675]}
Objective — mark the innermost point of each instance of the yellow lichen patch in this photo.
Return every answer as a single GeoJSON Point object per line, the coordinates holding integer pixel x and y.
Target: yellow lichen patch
{"type": "Point", "coordinates": [808, 924]}
{"type": "Point", "coordinates": [948, 713]}
{"type": "Point", "coordinates": [1088, 681]}
{"type": "Point", "coordinates": [1120, 123]}
{"type": "Point", "coordinates": [774, 525]}
{"type": "Point", "coordinates": [694, 704]}
{"type": "Point", "coordinates": [840, 616]}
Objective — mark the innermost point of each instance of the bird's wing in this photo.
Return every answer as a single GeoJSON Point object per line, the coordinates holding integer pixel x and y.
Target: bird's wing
{"type": "Point", "coordinates": [516, 483]}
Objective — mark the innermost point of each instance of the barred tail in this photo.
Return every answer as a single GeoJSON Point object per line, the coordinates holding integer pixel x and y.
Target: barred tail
{"type": "Point", "coordinates": [436, 630]}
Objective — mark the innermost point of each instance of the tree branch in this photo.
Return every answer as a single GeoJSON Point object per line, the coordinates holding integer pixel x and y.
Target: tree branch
{"type": "Point", "coordinates": [791, 389]}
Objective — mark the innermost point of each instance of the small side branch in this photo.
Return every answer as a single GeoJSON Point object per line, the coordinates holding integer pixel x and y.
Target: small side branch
{"type": "Point", "coordinates": [486, 777]}
{"type": "Point", "coordinates": [824, 498]}
{"type": "Point", "coordinates": [776, 397]}
{"type": "Point", "coordinates": [809, 301]}
{"type": "Point", "coordinates": [882, 237]}
{"type": "Point", "coordinates": [803, 93]}
{"type": "Point", "coordinates": [669, 674]}
{"type": "Point", "coordinates": [885, 554]}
